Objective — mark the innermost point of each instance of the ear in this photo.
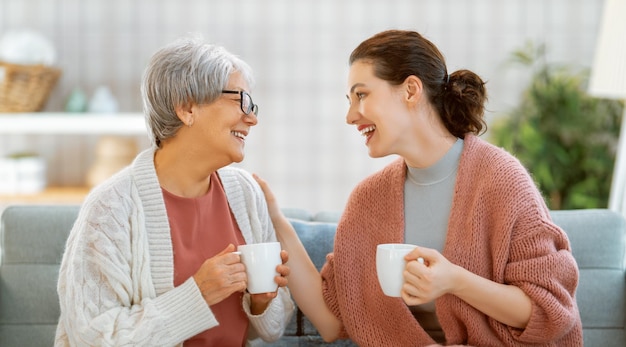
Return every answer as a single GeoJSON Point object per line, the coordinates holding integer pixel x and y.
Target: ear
{"type": "Point", "coordinates": [413, 88]}
{"type": "Point", "coordinates": [185, 113]}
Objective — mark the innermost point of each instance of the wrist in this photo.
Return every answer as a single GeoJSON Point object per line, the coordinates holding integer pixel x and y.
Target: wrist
{"type": "Point", "coordinates": [257, 307]}
{"type": "Point", "coordinates": [459, 282]}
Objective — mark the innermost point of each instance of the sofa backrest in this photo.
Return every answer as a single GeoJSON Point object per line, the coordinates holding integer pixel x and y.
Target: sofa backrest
{"type": "Point", "coordinates": [32, 240]}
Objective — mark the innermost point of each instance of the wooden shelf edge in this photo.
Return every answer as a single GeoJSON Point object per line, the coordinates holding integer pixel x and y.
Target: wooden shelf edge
{"type": "Point", "coordinates": [72, 123]}
{"type": "Point", "coordinates": [53, 195]}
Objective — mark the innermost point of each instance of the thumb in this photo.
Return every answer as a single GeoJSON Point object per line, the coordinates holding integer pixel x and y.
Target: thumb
{"type": "Point", "coordinates": [229, 249]}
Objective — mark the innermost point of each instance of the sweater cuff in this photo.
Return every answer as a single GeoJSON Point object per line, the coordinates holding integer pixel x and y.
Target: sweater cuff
{"type": "Point", "coordinates": [270, 325]}
{"type": "Point", "coordinates": [186, 311]}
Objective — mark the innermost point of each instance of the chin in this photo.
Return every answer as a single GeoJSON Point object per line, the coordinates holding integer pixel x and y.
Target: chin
{"type": "Point", "coordinates": [376, 154]}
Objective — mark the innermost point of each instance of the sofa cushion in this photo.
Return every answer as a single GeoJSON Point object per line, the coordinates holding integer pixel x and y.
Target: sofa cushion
{"type": "Point", "coordinates": [318, 239]}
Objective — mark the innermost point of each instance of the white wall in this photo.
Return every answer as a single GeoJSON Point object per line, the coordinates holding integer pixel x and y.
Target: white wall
{"type": "Point", "coordinates": [299, 50]}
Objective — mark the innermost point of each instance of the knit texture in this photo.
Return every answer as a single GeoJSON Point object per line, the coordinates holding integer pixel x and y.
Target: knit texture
{"type": "Point", "coordinates": [499, 228]}
{"type": "Point", "coordinates": [116, 276]}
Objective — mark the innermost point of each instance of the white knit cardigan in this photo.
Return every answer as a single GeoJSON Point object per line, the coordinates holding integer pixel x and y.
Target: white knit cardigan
{"type": "Point", "coordinates": [116, 277]}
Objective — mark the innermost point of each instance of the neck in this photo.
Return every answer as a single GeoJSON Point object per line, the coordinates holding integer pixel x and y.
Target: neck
{"type": "Point", "coordinates": [180, 172]}
{"type": "Point", "coordinates": [429, 142]}
{"type": "Point", "coordinates": [430, 153]}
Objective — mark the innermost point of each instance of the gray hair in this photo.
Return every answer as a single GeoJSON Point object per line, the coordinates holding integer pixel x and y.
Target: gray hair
{"type": "Point", "coordinates": [183, 72]}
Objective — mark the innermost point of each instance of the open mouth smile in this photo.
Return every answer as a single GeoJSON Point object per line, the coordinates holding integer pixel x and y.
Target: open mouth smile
{"type": "Point", "coordinates": [239, 135]}
{"type": "Point", "coordinates": [368, 132]}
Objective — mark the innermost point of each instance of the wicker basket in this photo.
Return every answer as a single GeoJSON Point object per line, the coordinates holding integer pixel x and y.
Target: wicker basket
{"type": "Point", "coordinates": [25, 88]}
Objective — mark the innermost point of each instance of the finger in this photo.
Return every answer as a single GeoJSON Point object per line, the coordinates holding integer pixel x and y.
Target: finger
{"type": "Point", "coordinates": [284, 256]}
{"type": "Point", "coordinates": [240, 286]}
{"type": "Point", "coordinates": [412, 300]}
{"type": "Point", "coordinates": [281, 281]}
{"type": "Point", "coordinates": [411, 290]}
{"type": "Point", "coordinates": [411, 277]}
{"type": "Point", "coordinates": [423, 255]}
{"type": "Point", "coordinates": [429, 254]}
{"type": "Point", "coordinates": [283, 270]}
{"type": "Point", "coordinates": [238, 278]}
{"type": "Point", "coordinates": [416, 266]}
{"type": "Point", "coordinates": [259, 180]}
{"type": "Point", "coordinates": [236, 269]}
{"type": "Point", "coordinates": [264, 187]}
{"type": "Point", "coordinates": [418, 289]}
{"type": "Point", "coordinates": [414, 254]}
{"type": "Point", "coordinates": [232, 258]}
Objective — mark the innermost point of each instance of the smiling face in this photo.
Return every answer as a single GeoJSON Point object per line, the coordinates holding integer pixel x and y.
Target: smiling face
{"type": "Point", "coordinates": [219, 129]}
{"type": "Point", "coordinates": [378, 109]}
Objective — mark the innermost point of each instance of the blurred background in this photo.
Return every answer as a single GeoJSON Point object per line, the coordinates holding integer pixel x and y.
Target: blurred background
{"type": "Point", "coordinates": [299, 52]}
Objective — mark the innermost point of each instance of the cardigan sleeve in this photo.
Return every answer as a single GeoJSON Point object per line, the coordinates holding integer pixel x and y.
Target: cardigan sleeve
{"type": "Point", "coordinates": [504, 219]}
{"type": "Point", "coordinates": [542, 265]}
{"type": "Point", "coordinates": [105, 288]}
{"type": "Point", "coordinates": [538, 259]}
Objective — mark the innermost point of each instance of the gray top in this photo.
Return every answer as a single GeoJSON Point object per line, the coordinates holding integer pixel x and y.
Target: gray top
{"type": "Point", "coordinates": [428, 199]}
{"type": "Point", "coordinates": [427, 202]}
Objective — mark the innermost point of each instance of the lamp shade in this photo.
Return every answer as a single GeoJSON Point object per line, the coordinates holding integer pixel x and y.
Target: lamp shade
{"type": "Point", "coordinates": [608, 75]}
{"type": "Point", "coordinates": [608, 80]}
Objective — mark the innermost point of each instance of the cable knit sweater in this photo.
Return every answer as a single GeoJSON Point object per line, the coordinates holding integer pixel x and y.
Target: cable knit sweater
{"type": "Point", "coordinates": [116, 277]}
{"type": "Point", "coordinates": [499, 228]}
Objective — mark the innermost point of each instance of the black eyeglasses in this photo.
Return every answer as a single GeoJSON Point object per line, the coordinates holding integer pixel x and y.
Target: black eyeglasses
{"type": "Point", "coordinates": [245, 102]}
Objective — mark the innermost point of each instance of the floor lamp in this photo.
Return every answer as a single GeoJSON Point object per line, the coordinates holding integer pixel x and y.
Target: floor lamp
{"type": "Point", "coordinates": [608, 80]}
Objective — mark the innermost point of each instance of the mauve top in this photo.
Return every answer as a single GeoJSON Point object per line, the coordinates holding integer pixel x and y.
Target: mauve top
{"type": "Point", "coordinates": [201, 228]}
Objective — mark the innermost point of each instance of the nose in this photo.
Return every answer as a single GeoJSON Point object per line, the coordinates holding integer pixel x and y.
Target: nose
{"type": "Point", "coordinates": [250, 119]}
{"type": "Point", "coordinates": [353, 115]}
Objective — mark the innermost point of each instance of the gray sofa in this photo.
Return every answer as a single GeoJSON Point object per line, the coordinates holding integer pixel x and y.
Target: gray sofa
{"type": "Point", "coordinates": [33, 237]}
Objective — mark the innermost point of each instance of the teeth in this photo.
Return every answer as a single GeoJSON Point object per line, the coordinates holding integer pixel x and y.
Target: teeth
{"type": "Point", "coordinates": [239, 135]}
{"type": "Point", "coordinates": [370, 128]}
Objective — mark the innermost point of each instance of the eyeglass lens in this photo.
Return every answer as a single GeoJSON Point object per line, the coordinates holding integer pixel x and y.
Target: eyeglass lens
{"type": "Point", "coordinates": [246, 103]}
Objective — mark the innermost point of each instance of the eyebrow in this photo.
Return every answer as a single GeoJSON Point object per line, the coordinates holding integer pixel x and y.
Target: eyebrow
{"type": "Point", "coordinates": [356, 85]}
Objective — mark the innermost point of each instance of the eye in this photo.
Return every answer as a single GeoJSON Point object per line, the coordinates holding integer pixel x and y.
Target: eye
{"type": "Point", "coordinates": [359, 95]}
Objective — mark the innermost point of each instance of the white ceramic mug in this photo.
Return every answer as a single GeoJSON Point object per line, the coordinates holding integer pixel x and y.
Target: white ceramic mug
{"type": "Point", "coordinates": [390, 264]}
{"type": "Point", "coordinates": [261, 260]}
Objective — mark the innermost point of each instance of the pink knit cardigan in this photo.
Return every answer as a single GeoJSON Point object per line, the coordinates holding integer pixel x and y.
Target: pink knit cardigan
{"type": "Point", "coordinates": [499, 228]}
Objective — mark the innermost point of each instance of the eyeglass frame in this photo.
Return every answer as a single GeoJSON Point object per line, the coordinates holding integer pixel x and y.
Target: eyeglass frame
{"type": "Point", "coordinates": [253, 108]}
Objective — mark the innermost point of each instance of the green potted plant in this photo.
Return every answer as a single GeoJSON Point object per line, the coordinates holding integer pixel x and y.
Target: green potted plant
{"type": "Point", "coordinates": [565, 138]}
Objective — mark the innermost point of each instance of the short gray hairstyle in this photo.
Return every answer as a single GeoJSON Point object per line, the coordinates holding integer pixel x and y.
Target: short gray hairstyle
{"type": "Point", "coordinates": [183, 72]}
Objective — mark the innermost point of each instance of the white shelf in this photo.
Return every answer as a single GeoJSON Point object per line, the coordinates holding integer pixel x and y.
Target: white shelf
{"type": "Point", "coordinates": [72, 123]}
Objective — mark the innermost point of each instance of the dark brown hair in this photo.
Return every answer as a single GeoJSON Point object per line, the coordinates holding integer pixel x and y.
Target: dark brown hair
{"type": "Point", "coordinates": [459, 98]}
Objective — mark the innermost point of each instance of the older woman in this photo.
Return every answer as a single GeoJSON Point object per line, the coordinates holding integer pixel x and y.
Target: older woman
{"type": "Point", "coordinates": [150, 258]}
